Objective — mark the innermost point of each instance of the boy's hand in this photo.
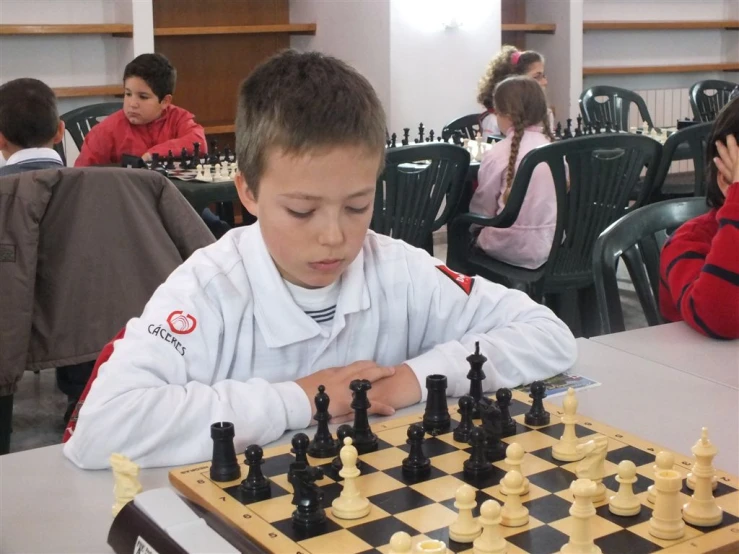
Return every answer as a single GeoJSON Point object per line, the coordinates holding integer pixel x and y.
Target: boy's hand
{"type": "Point", "coordinates": [727, 161]}
{"type": "Point", "coordinates": [337, 380]}
{"type": "Point", "coordinates": [398, 391]}
{"type": "Point", "coordinates": [146, 157]}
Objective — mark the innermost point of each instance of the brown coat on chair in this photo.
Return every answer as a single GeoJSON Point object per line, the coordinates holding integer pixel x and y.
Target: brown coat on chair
{"type": "Point", "coordinates": [81, 252]}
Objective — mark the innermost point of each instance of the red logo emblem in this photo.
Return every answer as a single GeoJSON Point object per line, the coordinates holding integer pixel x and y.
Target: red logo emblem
{"type": "Point", "coordinates": [181, 323]}
{"type": "Point", "coordinates": [462, 281]}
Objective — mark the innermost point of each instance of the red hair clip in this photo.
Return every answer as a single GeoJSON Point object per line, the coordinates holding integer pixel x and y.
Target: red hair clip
{"type": "Point", "coordinates": [515, 57]}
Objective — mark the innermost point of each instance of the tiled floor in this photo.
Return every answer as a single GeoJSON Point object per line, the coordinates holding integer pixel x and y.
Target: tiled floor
{"type": "Point", "coordinates": [39, 405]}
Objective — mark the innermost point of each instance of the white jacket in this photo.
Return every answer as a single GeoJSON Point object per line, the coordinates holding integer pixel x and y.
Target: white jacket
{"type": "Point", "coordinates": [223, 340]}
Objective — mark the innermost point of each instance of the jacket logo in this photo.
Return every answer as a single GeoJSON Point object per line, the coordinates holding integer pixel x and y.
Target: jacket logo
{"type": "Point", "coordinates": [181, 323]}
{"type": "Point", "coordinates": [462, 281]}
{"type": "Point", "coordinates": [7, 253]}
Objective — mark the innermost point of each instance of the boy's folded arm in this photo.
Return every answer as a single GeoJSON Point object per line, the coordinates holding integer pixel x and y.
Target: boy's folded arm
{"type": "Point", "coordinates": [96, 148]}
{"type": "Point", "coordinates": [187, 133]}
{"type": "Point", "coordinates": [522, 340]}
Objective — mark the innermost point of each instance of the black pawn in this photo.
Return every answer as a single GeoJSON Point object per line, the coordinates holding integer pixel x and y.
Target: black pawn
{"type": "Point", "coordinates": [477, 465]}
{"type": "Point", "coordinates": [416, 465]}
{"type": "Point", "coordinates": [300, 448]}
{"type": "Point", "coordinates": [365, 440]}
{"type": "Point", "coordinates": [170, 161]}
{"type": "Point", "coordinates": [342, 432]}
{"type": "Point", "coordinates": [492, 426]}
{"type": "Point", "coordinates": [476, 376]}
{"type": "Point", "coordinates": [256, 485]}
{"type": "Point", "coordinates": [323, 444]}
{"type": "Point", "coordinates": [537, 415]}
{"type": "Point", "coordinates": [504, 396]}
{"type": "Point", "coordinates": [431, 135]}
{"type": "Point", "coordinates": [436, 418]}
{"type": "Point", "coordinates": [463, 430]}
{"type": "Point", "coordinates": [224, 466]}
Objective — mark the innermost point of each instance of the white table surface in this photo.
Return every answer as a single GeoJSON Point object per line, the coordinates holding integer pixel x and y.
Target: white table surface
{"type": "Point", "coordinates": [678, 346]}
{"type": "Point", "coordinates": [47, 505]}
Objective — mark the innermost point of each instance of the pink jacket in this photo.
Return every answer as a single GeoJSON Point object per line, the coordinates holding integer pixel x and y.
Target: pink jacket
{"type": "Point", "coordinates": [528, 241]}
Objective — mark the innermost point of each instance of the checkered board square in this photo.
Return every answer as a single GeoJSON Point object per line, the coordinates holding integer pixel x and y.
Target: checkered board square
{"type": "Point", "coordinates": [426, 509]}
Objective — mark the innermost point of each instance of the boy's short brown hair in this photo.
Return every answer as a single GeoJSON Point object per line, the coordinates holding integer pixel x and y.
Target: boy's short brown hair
{"type": "Point", "coordinates": [725, 124]}
{"type": "Point", "coordinates": [300, 102]}
{"type": "Point", "coordinates": [29, 117]}
{"type": "Point", "coordinates": [156, 71]}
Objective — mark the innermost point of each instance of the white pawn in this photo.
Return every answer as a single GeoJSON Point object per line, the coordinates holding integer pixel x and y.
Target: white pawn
{"type": "Point", "coordinates": [478, 155]}
{"type": "Point", "coordinates": [430, 546]}
{"type": "Point", "coordinates": [400, 543]}
{"type": "Point", "coordinates": [514, 460]}
{"type": "Point", "coordinates": [350, 504]}
{"type": "Point", "coordinates": [666, 521]}
{"type": "Point", "coordinates": [207, 176]}
{"type": "Point", "coordinates": [465, 528]}
{"type": "Point", "coordinates": [514, 513]}
{"type": "Point", "coordinates": [582, 512]}
{"type": "Point", "coordinates": [664, 460]}
{"type": "Point", "coordinates": [625, 502]}
{"type": "Point", "coordinates": [217, 172]}
{"type": "Point", "coordinates": [199, 175]}
{"type": "Point", "coordinates": [702, 509]}
{"type": "Point", "coordinates": [234, 169]}
{"type": "Point", "coordinates": [490, 541]}
{"type": "Point", "coordinates": [566, 449]}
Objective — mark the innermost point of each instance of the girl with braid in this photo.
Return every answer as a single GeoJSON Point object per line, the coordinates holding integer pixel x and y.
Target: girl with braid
{"type": "Point", "coordinates": [521, 112]}
{"type": "Point", "coordinates": [509, 61]}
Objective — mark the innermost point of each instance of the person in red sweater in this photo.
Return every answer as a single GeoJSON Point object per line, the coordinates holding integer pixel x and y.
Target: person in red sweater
{"type": "Point", "coordinates": [148, 123]}
{"type": "Point", "coordinates": [699, 265]}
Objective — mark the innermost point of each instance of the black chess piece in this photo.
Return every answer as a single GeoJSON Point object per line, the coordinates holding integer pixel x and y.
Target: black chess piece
{"type": "Point", "coordinates": [579, 129]}
{"type": "Point", "coordinates": [184, 161]}
{"type": "Point", "coordinates": [156, 164]}
{"type": "Point", "coordinates": [598, 127]}
{"type": "Point", "coordinates": [170, 161]}
{"type": "Point", "coordinates": [420, 133]}
{"type": "Point", "coordinates": [457, 137]}
{"type": "Point", "coordinates": [568, 129]}
{"type": "Point", "coordinates": [214, 156]}
{"type": "Point", "coordinates": [342, 432]}
{"type": "Point", "coordinates": [537, 415]}
{"type": "Point", "coordinates": [558, 131]}
{"type": "Point", "coordinates": [195, 160]}
{"type": "Point", "coordinates": [477, 465]}
{"type": "Point", "coordinates": [365, 440]}
{"type": "Point", "coordinates": [300, 443]}
{"type": "Point", "coordinates": [256, 485]}
{"type": "Point", "coordinates": [323, 444]}
{"type": "Point", "coordinates": [431, 135]}
{"type": "Point", "coordinates": [224, 466]}
{"type": "Point", "coordinates": [416, 465]}
{"type": "Point", "coordinates": [415, 141]}
{"type": "Point", "coordinates": [476, 376]}
{"type": "Point", "coordinates": [309, 514]}
{"type": "Point", "coordinates": [616, 127]}
{"type": "Point", "coordinates": [462, 432]}
{"type": "Point", "coordinates": [492, 426]}
{"type": "Point", "coordinates": [406, 134]}
{"type": "Point", "coordinates": [608, 126]}
{"type": "Point", "coordinates": [393, 140]}
{"type": "Point", "coordinates": [227, 155]}
{"type": "Point", "coordinates": [504, 396]}
{"type": "Point", "coordinates": [436, 418]}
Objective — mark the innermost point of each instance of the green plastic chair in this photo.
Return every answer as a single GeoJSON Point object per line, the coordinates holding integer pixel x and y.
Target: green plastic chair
{"type": "Point", "coordinates": [637, 238]}
{"type": "Point", "coordinates": [78, 122]}
{"type": "Point", "coordinates": [706, 106]}
{"type": "Point", "coordinates": [603, 173]}
{"type": "Point", "coordinates": [695, 137]}
{"type": "Point", "coordinates": [469, 125]}
{"type": "Point", "coordinates": [417, 181]}
{"type": "Point", "coordinates": [606, 103]}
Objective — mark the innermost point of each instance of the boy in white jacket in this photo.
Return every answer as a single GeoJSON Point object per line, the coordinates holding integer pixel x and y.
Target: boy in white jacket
{"type": "Point", "coordinates": [246, 329]}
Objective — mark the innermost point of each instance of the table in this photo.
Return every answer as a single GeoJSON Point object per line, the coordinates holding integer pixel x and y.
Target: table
{"type": "Point", "coordinates": [678, 346]}
{"type": "Point", "coordinates": [200, 194]}
{"type": "Point", "coordinates": [47, 505]}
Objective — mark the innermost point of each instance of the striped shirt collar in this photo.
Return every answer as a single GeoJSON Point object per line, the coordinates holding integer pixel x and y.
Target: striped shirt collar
{"type": "Point", "coordinates": [30, 155]}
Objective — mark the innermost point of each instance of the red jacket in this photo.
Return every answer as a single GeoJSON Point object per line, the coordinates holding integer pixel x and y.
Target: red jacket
{"type": "Point", "coordinates": [699, 273]}
{"type": "Point", "coordinates": [114, 136]}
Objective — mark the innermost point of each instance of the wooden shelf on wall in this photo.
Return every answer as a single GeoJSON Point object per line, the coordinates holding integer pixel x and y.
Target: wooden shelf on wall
{"type": "Point", "coordinates": [648, 69]}
{"type": "Point", "coordinates": [87, 29]}
{"type": "Point", "coordinates": [86, 91]}
{"type": "Point", "coordinates": [289, 28]}
{"type": "Point", "coordinates": [542, 28]}
{"type": "Point", "coordinates": [659, 25]}
{"type": "Point", "coordinates": [219, 129]}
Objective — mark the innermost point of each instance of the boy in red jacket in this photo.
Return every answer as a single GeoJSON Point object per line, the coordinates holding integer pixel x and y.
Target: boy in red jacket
{"type": "Point", "coordinates": [148, 123]}
{"type": "Point", "coordinates": [700, 262]}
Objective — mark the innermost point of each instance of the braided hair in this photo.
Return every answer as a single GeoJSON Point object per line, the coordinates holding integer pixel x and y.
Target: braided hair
{"type": "Point", "coordinates": [521, 99]}
{"type": "Point", "coordinates": [502, 66]}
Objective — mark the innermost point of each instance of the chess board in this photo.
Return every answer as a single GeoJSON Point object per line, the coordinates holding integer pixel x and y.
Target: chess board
{"type": "Point", "coordinates": [186, 174]}
{"type": "Point", "coordinates": [425, 509]}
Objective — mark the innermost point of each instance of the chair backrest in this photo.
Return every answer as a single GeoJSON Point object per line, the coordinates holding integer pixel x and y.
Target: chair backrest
{"type": "Point", "coordinates": [637, 238]}
{"type": "Point", "coordinates": [79, 122]}
{"type": "Point", "coordinates": [612, 104]}
{"type": "Point", "coordinates": [419, 190]}
{"type": "Point", "coordinates": [708, 97]}
{"type": "Point", "coordinates": [468, 125]}
{"type": "Point", "coordinates": [696, 137]}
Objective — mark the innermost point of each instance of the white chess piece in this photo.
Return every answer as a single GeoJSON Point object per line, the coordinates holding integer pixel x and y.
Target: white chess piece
{"type": "Point", "coordinates": [217, 176]}
{"type": "Point", "coordinates": [593, 465]}
{"type": "Point", "coordinates": [478, 140]}
{"type": "Point", "coordinates": [663, 460]}
{"type": "Point", "coordinates": [690, 481]}
{"type": "Point", "coordinates": [582, 512]}
{"type": "Point", "coordinates": [430, 546]}
{"type": "Point", "coordinates": [702, 509]}
{"type": "Point", "coordinates": [225, 171]}
{"type": "Point", "coordinates": [400, 543]}
{"type": "Point", "coordinates": [666, 521]}
{"type": "Point", "coordinates": [234, 169]}
{"type": "Point", "coordinates": [465, 528]}
{"type": "Point", "coordinates": [566, 449]}
{"type": "Point", "coordinates": [207, 175]}
{"type": "Point", "coordinates": [625, 502]}
{"type": "Point", "coordinates": [514, 460]}
{"type": "Point", "coordinates": [514, 514]}
{"type": "Point", "coordinates": [490, 541]}
{"type": "Point", "coordinates": [350, 504]}
{"type": "Point", "coordinates": [127, 485]}
{"type": "Point", "coordinates": [199, 174]}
